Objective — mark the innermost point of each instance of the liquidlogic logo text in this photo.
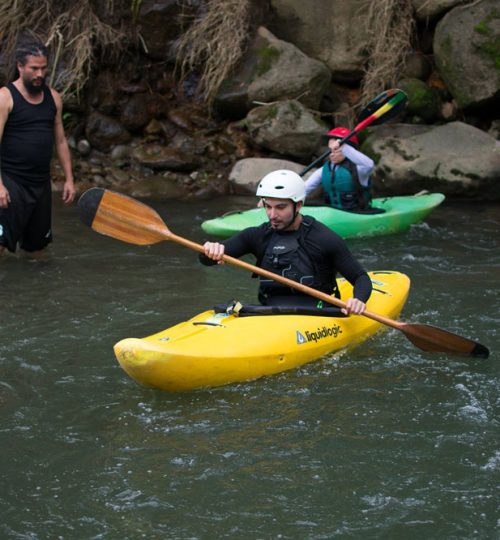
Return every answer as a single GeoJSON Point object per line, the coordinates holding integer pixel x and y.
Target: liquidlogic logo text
{"type": "Point", "coordinates": [320, 333]}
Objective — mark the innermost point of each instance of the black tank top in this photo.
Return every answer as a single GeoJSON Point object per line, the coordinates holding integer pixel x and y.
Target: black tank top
{"type": "Point", "coordinates": [28, 139]}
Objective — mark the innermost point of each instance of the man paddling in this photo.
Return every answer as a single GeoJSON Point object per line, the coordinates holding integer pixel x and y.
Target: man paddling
{"type": "Point", "coordinates": [295, 246]}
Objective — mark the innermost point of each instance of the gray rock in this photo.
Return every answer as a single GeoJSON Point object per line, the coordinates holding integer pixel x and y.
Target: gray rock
{"type": "Point", "coordinates": [456, 159]}
{"type": "Point", "coordinates": [272, 70]}
{"type": "Point", "coordinates": [155, 187]}
{"type": "Point", "coordinates": [333, 32]}
{"type": "Point", "coordinates": [158, 157]}
{"type": "Point", "coordinates": [286, 127]}
{"type": "Point", "coordinates": [103, 132]}
{"type": "Point", "coordinates": [247, 173]}
{"type": "Point", "coordinates": [121, 152]}
{"type": "Point", "coordinates": [466, 53]}
{"type": "Point", "coordinates": [83, 147]}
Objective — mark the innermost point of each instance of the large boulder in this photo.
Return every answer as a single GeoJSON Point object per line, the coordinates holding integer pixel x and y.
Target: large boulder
{"type": "Point", "coordinates": [333, 32]}
{"type": "Point", "coordinates": [466, 53]}
{"type": "Point", "coordinates": [247, 173]}
{"type": "Point", "coordinates": [456, 159]}
{"type": "Point", "coordinates": [286, 127]}
{"type": "Point", "coordinates": [271, 70]}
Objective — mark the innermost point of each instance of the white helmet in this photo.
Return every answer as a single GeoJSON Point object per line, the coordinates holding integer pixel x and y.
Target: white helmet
{"type": "Point", "coordinates": [282, 184]}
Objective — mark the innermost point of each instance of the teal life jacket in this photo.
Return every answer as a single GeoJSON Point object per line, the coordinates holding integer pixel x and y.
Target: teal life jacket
{"type": "Point", "coordinates": [342, 188]}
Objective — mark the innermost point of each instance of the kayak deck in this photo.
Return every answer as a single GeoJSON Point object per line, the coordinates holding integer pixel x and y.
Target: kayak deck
{"type": "Point", "coordinates": [213, 349]}
{"type": "Point", "coordinates": [399, 214]}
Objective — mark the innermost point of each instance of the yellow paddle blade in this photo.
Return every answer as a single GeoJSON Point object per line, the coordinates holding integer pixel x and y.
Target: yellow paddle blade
{"type": "Point", "coordinates": [121, 217]}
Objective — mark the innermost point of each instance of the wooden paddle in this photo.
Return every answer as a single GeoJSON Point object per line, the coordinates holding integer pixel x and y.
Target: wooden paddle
{"type": "Point", "coordinates": [383, 107]}
{"type": "Point", "coordinates": [126, 219]}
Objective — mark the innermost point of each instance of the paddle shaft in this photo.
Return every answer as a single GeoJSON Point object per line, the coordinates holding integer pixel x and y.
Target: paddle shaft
{"type": "Point", "coordinates": [129, 220]}
{"type": "Point", "coordinates": [283, 280]}
{"type": "Point", "coordinates": [425, 337]}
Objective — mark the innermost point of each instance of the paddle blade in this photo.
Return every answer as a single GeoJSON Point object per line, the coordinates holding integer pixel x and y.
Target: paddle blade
{"type": "Point", "coordinates": [433, 339]}
{"type": "Point", "coordinates": [385, 106]}
{"type": "Point", "coordinates": [121, 217]}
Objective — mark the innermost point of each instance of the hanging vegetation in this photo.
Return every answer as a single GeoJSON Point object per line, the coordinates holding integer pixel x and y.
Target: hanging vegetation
{"type": "Point", "coordinates": [214, 43]}
{"type": "Point", "coordinates": [72, 30]}
{"type": "Point", "coordinates": [391, 27]}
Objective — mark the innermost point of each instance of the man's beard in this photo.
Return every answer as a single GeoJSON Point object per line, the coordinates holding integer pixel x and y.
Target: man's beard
{"type": "Point", "coordinates": [34, 90]}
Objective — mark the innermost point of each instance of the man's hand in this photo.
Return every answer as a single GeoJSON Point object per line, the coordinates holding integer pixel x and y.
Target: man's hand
{"type": "Point", "coordinates": [337, 156]}
{"type": "Point", "coordinates": [69, 192]}
{"type": "Point", "coordinates": [354, 307]}
{"type": "Point", "coordinates": [214, 250]}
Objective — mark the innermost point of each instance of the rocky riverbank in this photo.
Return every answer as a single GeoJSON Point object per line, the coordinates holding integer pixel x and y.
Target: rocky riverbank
{"type": "Point", "coordinates": [137, 130]}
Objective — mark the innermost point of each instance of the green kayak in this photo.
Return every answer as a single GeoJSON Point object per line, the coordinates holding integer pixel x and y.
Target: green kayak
{"type": "Point", "coordinates": [399, 213]}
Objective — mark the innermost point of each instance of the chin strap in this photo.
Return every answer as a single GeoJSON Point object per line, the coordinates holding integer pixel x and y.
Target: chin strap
{"type": "Point", "coordinates": [295, 213]}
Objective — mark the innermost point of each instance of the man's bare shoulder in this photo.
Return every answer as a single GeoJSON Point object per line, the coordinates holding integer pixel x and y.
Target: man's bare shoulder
{"type": "Point", "coordinates": [6, 101]}
{"type": "Point", "coordinates": [5, 92]}
{"type": "Point", "coordinates": [55, 93]}
{"type": "Point", "coordinates": [56, 96]}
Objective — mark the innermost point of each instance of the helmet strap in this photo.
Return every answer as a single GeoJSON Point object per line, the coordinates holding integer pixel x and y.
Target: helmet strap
{"type": "Point", "coordinates": [295, 213]}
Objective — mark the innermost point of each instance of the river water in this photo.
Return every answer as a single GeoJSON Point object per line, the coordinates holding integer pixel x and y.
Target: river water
{"type": "Point", "coordinates": [386, 442]}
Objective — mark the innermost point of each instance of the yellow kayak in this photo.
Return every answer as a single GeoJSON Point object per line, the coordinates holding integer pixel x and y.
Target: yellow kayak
{"type": "Point", "coordinates": [213, 349]}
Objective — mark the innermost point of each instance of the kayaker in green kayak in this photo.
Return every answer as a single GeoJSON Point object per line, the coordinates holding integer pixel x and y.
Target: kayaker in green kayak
{"type": "Point", "coordinates": [295, 246]}
{"type": "Point", "coordinates": [345, 178]}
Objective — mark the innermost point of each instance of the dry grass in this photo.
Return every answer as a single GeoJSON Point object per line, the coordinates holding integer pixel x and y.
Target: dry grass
{"type": "Point", "coordinates": [390, 25]}
{"type": "Point", "coordinates": [216, 40]}
{"type": "Point", "coordinates": [214, 43]}
{"type": "Point", "coordinates": [76, 33]}
{"type": "Point", "coordinates": [71, 30]}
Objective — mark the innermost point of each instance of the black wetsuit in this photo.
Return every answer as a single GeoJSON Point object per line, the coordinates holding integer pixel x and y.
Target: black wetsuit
{"type": "Point", "coordinates": [325, 250]}
{"type": "Point", "coordinates": [25, 153]}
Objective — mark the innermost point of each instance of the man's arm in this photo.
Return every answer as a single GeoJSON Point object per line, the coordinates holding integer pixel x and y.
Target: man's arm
{"type": "Point", "coordinates": [344, 262]}
{"type": "Point", "coordinates": [63, 152]}
{"type": "Point", "coordinates": [246, 241]}
{"type": "Point", "coordinates": [363, 163]}
{"type": "Point", "coordinates": [6, 104]}
{"type": "Point", "coordinates": [314, 181]}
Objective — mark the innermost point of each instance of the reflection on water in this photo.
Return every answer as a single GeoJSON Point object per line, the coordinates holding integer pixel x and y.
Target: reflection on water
{"type": "Point", "coordinates": [387, 441]}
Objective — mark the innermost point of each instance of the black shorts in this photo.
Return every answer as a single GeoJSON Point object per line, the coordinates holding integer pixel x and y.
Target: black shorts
{"type": "Point", "coordinates": [27, 220]}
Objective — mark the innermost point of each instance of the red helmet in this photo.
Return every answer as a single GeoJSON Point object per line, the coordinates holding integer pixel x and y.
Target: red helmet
{"type": "Point", "coordinates": [341, 132]}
